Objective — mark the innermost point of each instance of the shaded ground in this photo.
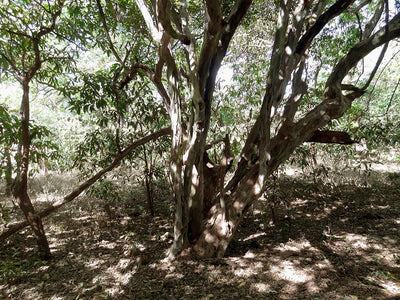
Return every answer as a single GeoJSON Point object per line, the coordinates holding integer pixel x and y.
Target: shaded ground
{"type": "Point", "coordinates": [328, 242]}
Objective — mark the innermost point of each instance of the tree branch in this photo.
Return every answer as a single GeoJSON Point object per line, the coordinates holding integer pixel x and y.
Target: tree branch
{"type": "Point", "coordinates": [362, 49]}
{"type": "Point", "coordinates": [164, 17]}
{"type": "Point", "coordinates": [374, 20]}
{"type": "Point", "coordinates": [13, 228]}
{"type": "Point", "coordinates": [151, 75]}
{"type": "Point", "coordinates": [384, 49]}
{"type": "Point", "coordinates": [335, 10]}
{"type": "Point", "coordinates": [213, 16]}
{"type": "Point", "coordinates": [155, 33]}
{"type": "Point", "coordinates": [110, 43]}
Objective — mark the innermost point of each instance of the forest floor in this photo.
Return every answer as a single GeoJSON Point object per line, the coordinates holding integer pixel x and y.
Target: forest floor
{"type": "Point", "coordinates": [333, 238]}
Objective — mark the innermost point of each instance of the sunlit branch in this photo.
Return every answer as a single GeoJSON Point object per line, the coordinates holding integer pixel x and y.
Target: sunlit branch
{"type": "Point", "coordinates": [155, 33]}
{"type": "Point", "coordinates": [163, 16]}
{"type": "Point", "coordinates": [383, 52]}
{"type": "Point", "coordinates": [335, 10]}
{"type": "Point", "coordinates": [360, 6]}
{"type": "Point", "coordinates": [362, 49]}
{"type": "Point", "coordinates": [377, 65]}
{"type": "Point", "coordinates": [369, 28]}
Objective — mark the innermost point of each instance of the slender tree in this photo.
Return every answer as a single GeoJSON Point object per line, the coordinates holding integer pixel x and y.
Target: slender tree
{"type": "Point", "coordinates": [24, 31]}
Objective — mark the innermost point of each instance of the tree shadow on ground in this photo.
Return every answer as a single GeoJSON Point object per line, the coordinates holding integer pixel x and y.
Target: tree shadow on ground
{"type": "Point", "coordinates": [329, 242]}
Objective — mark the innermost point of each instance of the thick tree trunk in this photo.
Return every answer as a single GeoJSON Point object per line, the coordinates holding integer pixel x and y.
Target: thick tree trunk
{"type": "Point", "coordinates": [223, 221]}
{"type": "Point", "coordinates": [21, 184]}
{"type": "Point", "coordinates": [193, 184]}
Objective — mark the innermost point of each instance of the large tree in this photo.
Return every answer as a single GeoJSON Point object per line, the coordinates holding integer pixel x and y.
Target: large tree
{"type": "Point", "coordinates": [192, 39]}
{"type": "Point", "coordinates": [180, 46]}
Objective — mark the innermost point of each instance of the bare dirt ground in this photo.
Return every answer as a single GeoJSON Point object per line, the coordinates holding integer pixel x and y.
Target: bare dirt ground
{"type": "Point", "coordinates": [329, 241]}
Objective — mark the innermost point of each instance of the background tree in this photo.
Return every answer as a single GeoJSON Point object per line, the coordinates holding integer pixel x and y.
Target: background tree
{"type": "Point", "coordinates": [8, 138]}
{"type": "Point", "coordinates": [96, 93]}
{"type": "Point", "coordinates": [25, 31]}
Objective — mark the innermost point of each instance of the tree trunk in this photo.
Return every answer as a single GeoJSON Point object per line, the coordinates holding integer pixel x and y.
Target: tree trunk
{"type": "Point", "coordinates": [21, 184]}
{"type": "Point", "coordinates": [194, 186]}
{"type": "Point", "coordinates": [148, 181]}
{"type": "Point", "coordinates": [222, 222]}
{"type": "Point", "coordinates": [9, 175]}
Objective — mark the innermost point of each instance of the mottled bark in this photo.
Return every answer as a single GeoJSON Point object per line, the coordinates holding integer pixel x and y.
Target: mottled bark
{"type": "Point", "coordinates": [244, 187]}
{"type": "Point", "coordinates": [197, 183]}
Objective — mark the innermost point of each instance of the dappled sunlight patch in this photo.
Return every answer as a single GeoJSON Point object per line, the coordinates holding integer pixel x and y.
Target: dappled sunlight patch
{"type": "Point", "coordinates": [94, 263]}
{"type": "Point", "coordinates": [31, 293]}
{"type": "Point", "coordinates": [250, 270]}
{"type": "Point", "coordinates": [358, 241]}
{"type": "Point", "coordinates": [369, 249]}
{"type": "Point", "coordinates": [262, 288]}
{"type": "Point", "coordinates": [291, 171]}
{"type": "Point", "coordinates": [249, 254]}
{"type": "Point", "coordinates": [174, 275]}
{"type": "Point", "coordinates": [107, 245]}
{"type": "Point", "coordinates": [295, 246]}
{"type": "Point", "coordinates": [246, 266]}
{"type": "Point", "coordinates": [393, 288]}
{"type": "Point", "coordinates": [388, 281]}
{"type": "Point", "coordinates": [299, 202]}
{"type": "Point", "coordinates": [288, 271]}
{"type": "Point", "coordinates": [165, 265]}
{"type": "Point", "coordinates": [323, 254]}
{"type": "Point", "coordinates": [56, 242]}
{"type": "Point", "coordinates": [118, 272]}
{"type": "Point", "coordinates": [324, 264]}
{"type": "Point", "coordinates": [83, 218]}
